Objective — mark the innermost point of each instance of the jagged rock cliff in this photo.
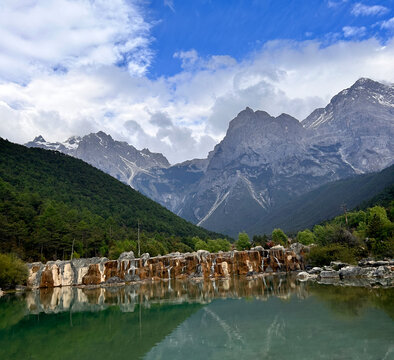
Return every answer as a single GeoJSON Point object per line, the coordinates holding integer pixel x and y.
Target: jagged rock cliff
{"type": "Point", "coordinates": [265, 161]}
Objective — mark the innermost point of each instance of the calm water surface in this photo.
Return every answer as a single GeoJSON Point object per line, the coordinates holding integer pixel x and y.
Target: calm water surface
{"type": "Point", "coordinates": [265, 318]}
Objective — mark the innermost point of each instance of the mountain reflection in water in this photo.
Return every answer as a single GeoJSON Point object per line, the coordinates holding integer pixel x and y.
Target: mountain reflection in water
{"type": "Point", "coordinates": [266, 317]}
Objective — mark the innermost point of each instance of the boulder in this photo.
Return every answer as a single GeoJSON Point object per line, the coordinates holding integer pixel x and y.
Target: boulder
{"type": "Point", "coordinates": [1, 293]}
{"type": "Point", "coordinates": [372, 263]}
{"type": "Point", "coordinates": [202, 255]}
{"type": "Point", "coordinates": [329, 274]}
{"type": "Point", "coordinates": [131, 278]}
{"type": "Point", "coordinates": [257, 248]}
{"type": "Point", "coordinates": [315, 270]}
{"type": "Point", "coordinates": [114, 280]}
{"type": "Point", "coordinates": [298, 248]}
{"type": "Point", "coordinates": [337, 265]}
{"type": "Point", "coordinates": [127, 255]}
{"type": "Point", "coordinates": [303, 276]}
{"type": "Point", "coordinates": [381, 272]}
{"type": "Point", "coordinates": [353, 271]}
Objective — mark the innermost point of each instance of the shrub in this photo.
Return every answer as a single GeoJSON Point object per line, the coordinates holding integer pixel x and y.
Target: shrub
{"type": "Point", "coordinates": [323, 255]}
{"type": "Point", "coordinates": [306, 237]}
{"type": "Point", "coordinates": [200, 245]}
{"type": "Point", "coordinates": [279, 237]}
{"type": "Point", "coordinates": [243, 242]}
{"type": "Point", "coordinates": [381, 248]}
{"type": "Point", "coordinates": [121, 246]}
{"type": "Point", "coordinates": [13, 271]}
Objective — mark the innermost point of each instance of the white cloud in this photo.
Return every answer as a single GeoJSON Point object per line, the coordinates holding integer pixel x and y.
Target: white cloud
{"type": "Point", "coordinates": [388, 24]}
{"type": "Point", "coordinates": [354, 31]}
{"type": "Point", "coordinates": [183, 115]}
{"type": "Point", "coordinates": [360, 9]}
{"type": "Point", "coordinates": [38, 36]}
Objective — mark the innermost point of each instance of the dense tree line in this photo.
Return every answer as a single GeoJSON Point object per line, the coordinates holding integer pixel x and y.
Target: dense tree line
{"type": "Point", "coordinates": [53, 205]}
{"type": "Point", "coordinates": [348, 237]}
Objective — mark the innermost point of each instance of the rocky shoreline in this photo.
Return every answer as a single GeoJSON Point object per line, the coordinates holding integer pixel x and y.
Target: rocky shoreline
{"type": "Point", "coordinates": [366, 273]}
{"type": "Point", "coordinates": [202, 265]}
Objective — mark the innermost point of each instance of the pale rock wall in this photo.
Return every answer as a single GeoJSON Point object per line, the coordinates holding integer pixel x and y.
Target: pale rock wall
{"type": "Point", "coordinates": [200, 264]}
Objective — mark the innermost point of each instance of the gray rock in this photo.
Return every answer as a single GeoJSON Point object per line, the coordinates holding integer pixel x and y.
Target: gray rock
{"type": "Point", "coordinates": [303, 276]}
{"type": "Point", "coordinates": [382, 271]}
{"type": "Point", "coordinates": [129, 255]}
{"type": "Point", "coordinates": [1, 292]}
{"type": "Point", "coordinates": [373, 263]}
{"type": "Point", "coordinates": [337, 265]}
{"type": "Point", "coordinates": [353, 271]}
{"type": "Point", "coordinates": [298, 247]}
{"type": "Point", "coordinates": [202, 255]}
{"type": "Point", "coordinates": [329, 274]}
{"type": "Point", "coordinates": [114, 280]}
{"type": "Point", "coordinates": [145, 257]}
{"type": "Point", "coordinates": [315, 270]}
{"type": "Point", "coordinates": [131, 278]}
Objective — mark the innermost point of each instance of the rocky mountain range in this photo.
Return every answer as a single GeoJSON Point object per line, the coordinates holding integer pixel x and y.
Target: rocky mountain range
{"type": "Point", "coordinates": [119, 159]}
{"type": "Point", "coordinates": [262, 162]}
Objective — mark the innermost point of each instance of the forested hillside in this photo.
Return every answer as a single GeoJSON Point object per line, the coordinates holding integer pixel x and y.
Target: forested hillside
{"type": "Point", "coordinates": [50, 201]}
{"type": "Point", "coordinates": [328, 201]}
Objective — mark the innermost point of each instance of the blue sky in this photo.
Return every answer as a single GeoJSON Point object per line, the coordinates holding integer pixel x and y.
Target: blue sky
{"type": "Point", "coordinates": [171, 74]}
{"type": "Point", "coordinates": [240, 27]}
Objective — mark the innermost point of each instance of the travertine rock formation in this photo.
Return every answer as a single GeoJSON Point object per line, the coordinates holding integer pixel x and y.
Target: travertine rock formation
{"type": "Point", "coordinates": [200, 264]}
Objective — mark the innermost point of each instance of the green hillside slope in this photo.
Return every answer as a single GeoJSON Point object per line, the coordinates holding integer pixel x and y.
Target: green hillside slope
{"type": "Point", "coordinates": [48, 201]}
{"type": "Point", "coordinates": [325, 202]}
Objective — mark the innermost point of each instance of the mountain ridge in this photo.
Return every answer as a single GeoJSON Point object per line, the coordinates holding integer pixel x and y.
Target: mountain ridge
{"type": "Point", "coordinates": [264, 161]}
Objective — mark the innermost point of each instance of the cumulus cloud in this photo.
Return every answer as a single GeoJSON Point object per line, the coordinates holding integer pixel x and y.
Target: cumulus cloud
{"type": "Point", "coordinates": [42, 36]}
{"type": "Point", "coordinates": [183, 115]}
{"type": "Point", "coordinates": [360, 9]}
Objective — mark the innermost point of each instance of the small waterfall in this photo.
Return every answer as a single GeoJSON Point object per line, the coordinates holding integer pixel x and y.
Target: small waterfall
{"type": "Point", "coordinates": [199, 270]}
{"type": "Point", "coordinates": [213, 267]}
{"type": "Point", "coordinates": [169, 272]}
{"type": "Point", "coordinates": [262, 264]}
{"type": "Point", "coordinates": [132, 269]}
{"type": "Point", "coordinates": [277, 261]}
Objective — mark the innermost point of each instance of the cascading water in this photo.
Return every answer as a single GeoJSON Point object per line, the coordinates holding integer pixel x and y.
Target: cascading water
{"type": "Point", "coordinates": [213, 267]}
{"type": "Point", "coordinates": [169, 272]}
{"type": "Point", "coordinates": [277, 261]}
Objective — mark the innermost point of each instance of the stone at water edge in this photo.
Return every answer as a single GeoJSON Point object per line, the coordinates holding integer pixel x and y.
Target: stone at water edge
{"type": "Point", "coordinates": [1, 293]}
{"type": "Point", "coordinates": [338, 265]}
{"type": "Point", "coordinates": [315, 270]}
{"type": "Point", "coordinates": [329, 274]}
{"type": "Point", "coordinates": [114, 280]}
{"type": "Point", "coordinates": [303, 276]}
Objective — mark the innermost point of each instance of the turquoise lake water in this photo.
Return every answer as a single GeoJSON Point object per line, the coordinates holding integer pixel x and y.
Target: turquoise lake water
{"type": "Point", "coordinates": [266, 318]}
